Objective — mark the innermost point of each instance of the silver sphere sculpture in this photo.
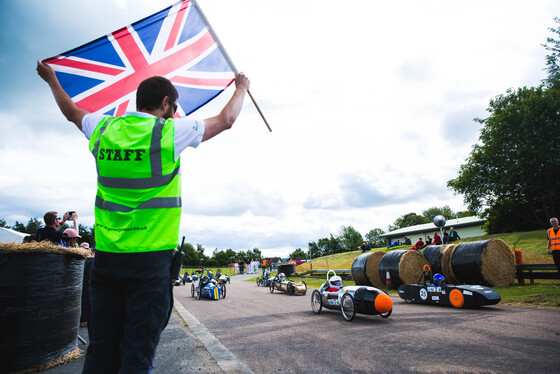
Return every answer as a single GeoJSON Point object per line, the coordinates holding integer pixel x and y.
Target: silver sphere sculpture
{"type": "Point", "coordinates": [439, 221]}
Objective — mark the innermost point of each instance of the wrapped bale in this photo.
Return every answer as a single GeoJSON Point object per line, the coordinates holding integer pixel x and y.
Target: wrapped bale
{"type": "Point", "coordinates": [404, 266]}
{"type": "Point", "coordinates": [40, 295]}
{"type": "Point", "coordinates": [486, 262]}
{"type": "Point", "coordinates": [365, 269]}
{"type": "Point", "coordinates": [433, 254]}
{"type": "Point", "coordinates": [446, 268]}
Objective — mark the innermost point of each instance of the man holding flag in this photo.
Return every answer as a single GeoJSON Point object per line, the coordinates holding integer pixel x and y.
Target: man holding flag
{"type": "Point", "coordinates": [137, 214]}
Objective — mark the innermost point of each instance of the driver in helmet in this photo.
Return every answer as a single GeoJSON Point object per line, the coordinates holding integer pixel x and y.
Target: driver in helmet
{"type": "Point", "coordinates": [334, 284]}
{"type": "Point", "coordinates": [281, 277]}
{"type": "Point", "coordinates": [439, 280]}
{"type": "Point", "coordinates": [210, 274]}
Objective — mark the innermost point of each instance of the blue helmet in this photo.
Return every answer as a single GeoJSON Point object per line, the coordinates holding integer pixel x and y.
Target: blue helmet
{"type": "Point", "coordinates": [439, 279]}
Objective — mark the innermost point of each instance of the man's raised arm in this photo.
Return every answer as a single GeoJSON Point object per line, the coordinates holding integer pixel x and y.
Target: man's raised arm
{"type": "Point", "coordinates": [223, 121]}
{"type": "Point", "coordinates": [64, 102]}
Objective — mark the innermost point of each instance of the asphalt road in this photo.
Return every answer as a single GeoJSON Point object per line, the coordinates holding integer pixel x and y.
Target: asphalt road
{"type": "Point", "coordinates": [278, 333]}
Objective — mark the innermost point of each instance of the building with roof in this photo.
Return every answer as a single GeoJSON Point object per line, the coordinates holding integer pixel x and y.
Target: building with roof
{"type": "Point", "coordinates": [466, 227]}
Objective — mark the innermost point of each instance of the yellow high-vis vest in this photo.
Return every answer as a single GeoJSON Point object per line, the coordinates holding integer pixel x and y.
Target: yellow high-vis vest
{"type": "Point", "coordinates": [138, 202]}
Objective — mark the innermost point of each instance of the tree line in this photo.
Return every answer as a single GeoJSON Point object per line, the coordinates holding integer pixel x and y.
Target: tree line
{"type": "Point", "coordinates": [511, 176]}
{"type": "Point", "coordinates": [194, 254]}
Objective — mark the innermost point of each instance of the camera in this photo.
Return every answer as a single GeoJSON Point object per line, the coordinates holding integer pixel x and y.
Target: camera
{"type": "Point", "coordinates": [70, 215]}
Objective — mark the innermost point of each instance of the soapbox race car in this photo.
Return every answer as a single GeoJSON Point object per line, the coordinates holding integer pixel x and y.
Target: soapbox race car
{"type": "Point", "coordinates": [208, 287]}
{"type": "Point", "coordinates": [281, 283]}
{"type": "Point", "coordinates": [222, 278]}
{"type": "Point", "coordinates": [265, 280]}
{"type": "Point", "coordinates": [433, 290]}
{"type": "Point", "coordinates": [350, 299]}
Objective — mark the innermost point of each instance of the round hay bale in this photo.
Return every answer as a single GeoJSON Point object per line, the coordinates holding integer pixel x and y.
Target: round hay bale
{"type": "Point", "coordinates": [411, 265]}
{"type": "Point", "coordinates": [433, 254]}
{"type": "Point", "coordinates": [40, 295]}
{"type": "Point", "coordinates": [358, 270]}
{"type": "Point", "coordinates": [489, 262]}
{"type": "Point", "coordinates": [446, 254]}
{"type": "Point", "coordinates": [372, 268]}
{"type": "Point", "coordinates": [404, 266]}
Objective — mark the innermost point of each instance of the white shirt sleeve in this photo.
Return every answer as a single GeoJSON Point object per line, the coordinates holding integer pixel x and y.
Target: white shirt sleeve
{"type": "Point", "coordinates": [90, 122]}
{"type": "Point", "coordinates": [188, 133]}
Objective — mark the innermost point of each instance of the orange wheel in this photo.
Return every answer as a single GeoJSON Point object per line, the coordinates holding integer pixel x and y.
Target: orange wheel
{"type": "Point", "coordinates": [456, 298]}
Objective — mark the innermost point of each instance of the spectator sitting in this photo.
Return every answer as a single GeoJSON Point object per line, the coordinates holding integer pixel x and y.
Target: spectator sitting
{"type": "Point", "coordinates": [428, 242]}
{"type": "Point", "coordinates": [395, 243]}
{"type": "Point", "coordinates": [85, 245]}
{"type": "Point", "coordinates": [29, 239]}
{"type": "Point", "coordinates": [70, 238]}
{"type": "Point", "coordinates": [407, 241]}
{"type": "Point", "coordinates": [419, 244]}
{"type": "Point", "coordinates": [453, 236]}
{"type": "Point", "coordinates": [365, 247]}
{"type": "Point", "coordinates": [52, 231]}
{"type": "Point", "coordinates": [445, 237]}
{"type": "Point", "coordinates": [437, 239]}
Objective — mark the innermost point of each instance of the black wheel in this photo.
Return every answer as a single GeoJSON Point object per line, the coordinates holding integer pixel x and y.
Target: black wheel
{"type": "Point", "coordinates": [316, 302]}
{"type": "Point", "coordinates": [258, 281]}
{"type": "Point", "coordinates": [347, 307]}
{"type": "Point", "coordinates": [386, 315]}
{"type": "Point", "coordinates": [271, 287]}
{"type": "Point", "coordinates": [198, 293]}
{"type": "Point", "coordinates": [192, 290]}
{"type": "Point", "coordinates": [223, 287]}
{"type": "Point", "coordinates": [290, 288]}
{"type": "Point", "coordinates": [304, 291]}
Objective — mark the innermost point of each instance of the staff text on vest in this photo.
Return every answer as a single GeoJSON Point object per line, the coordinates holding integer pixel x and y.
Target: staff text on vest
{"type": "Point", "coordinates": [121, 154]}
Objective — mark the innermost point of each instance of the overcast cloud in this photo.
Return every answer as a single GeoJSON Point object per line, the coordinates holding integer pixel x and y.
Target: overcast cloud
{"type": "Point", "coordinates": [371, 105]}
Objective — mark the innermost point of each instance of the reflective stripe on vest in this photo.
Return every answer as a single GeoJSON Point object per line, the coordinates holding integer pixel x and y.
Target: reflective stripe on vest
{"type": "Point", "coordinates": [554, 239]}
{"type": "Point", "coordinates": [138, 201]}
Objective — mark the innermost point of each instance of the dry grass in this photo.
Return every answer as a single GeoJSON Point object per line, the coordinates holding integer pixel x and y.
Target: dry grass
{"type": "Point", "coordinates": [42, 247]}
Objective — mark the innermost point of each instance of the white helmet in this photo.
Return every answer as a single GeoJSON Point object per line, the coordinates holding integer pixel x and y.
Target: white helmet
{"type": "Point", "coordinates": [335, 282]}
{"type": "Point", "coordinates": [282, 276]}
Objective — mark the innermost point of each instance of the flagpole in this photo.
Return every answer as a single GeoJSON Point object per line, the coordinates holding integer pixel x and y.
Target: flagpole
{"type": "Point", "coordinates": [228, 59]}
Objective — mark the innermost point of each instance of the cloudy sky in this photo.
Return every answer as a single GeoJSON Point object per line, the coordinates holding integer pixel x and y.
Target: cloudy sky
{"type": "Point", "coordinates": [371, 104]}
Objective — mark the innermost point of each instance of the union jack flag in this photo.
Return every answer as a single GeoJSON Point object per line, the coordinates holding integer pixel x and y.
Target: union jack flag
{"type": "Point", "coordinates": [103, 75]}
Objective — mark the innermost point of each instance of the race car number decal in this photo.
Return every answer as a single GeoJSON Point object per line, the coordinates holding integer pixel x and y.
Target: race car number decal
{"type": "Point", "coordinates": [333, 302]}
{"type": "Point", "coordinates": [423, 294]}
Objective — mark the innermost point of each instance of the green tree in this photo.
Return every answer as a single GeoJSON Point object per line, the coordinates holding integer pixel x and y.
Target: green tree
{"type": "Point", "coordinates": [18, 226]}
{"type": "Point", "coordinates": [350, 238]}
{"type": "Point", "coordinates": [87, 234]}
{"type": "Point", "coordinates": [314, 250]}
{"type": "Point", "coordinates": [33, 225]}
{"type": "Point", "coordinates": [374, 239]}
{"type": "Point", "coordinates": [330, 246]}
{"type": "Point", "coordinates": [298, 253]}
{"type": "Point", "coordinates": [3, 223]}
{"type": "Point", "coordinates": [552, 66]}
{"type": "Point", "coordinates": [512, 172]}
{"type": "Point", "coordinates": [445, 211]}
{"type": "Point", "coordinates": [409, 219]}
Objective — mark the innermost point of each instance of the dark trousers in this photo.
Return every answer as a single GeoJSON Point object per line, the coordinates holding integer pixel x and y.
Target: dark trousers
{"type": "Point", "coordinates": [556, 258]}
{"type": "Point", "coordinates": [131, 300]}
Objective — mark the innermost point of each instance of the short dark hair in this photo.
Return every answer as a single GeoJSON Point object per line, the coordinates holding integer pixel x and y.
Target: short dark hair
{"type": "Point", "coordinates": [50, 217]}
{"type": "Point", "coordinates": [151, 92]}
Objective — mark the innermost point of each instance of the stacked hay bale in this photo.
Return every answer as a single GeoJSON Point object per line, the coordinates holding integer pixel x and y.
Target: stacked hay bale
{"type": "Point", "coordinates": [40, 295]}
{"type": "Point", "coordinates": [404, 267]}
{"type": "Point", "coordinates": [489, 262]}
{"type": "Point", "coordinates": [446, 266]}
{"type": "Point", "coordinates": [486, 262]}
{"type": "Point", "coordinates": [365, 269]}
